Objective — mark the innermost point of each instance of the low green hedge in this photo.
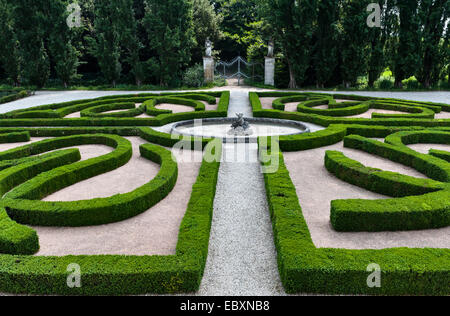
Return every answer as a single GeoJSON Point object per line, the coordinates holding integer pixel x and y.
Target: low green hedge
{"type": "Point", "coordinates": [60, 110]}
{"type": "Point", "coordinates": [308, 107]}
{"type": "Point", "coordinates": [331, 135]}
{"type": "Point", "coordinates": [324, 120]}
{"type": "Point", "coordinates": [170, 140]}
{"type": "Point", "coordinates": [279, 104]}
{"type": "Point", "coordinates": [445, 155]}
{"type": "Point", "coordinates": [98, 111]}
{"type": "Point", "coordinates": [434, 168]}
{"type": "Point", "coordinates": [23, 205]}
{"type": "Point", "coordinates": [413, 111]}
{"type": "Point", "coordinates": [153, 111]}
{"type": "Point", "coordinates": [412, 212]}
{"type": "Point", "coordinates": [307, 269]}
{"type": "Point", "coordinates": [17, 137]}
{"type": "Point", "coordinates": [428, 211]}
{"type": "Point", "coordinates": [14, 96]}
{"type": "Point", "coordinates": [52, 115]}
{"type": "Point", "coordinates": [379, 181]}
{"type": "Point", "coordinates": [15, 238]}
{"type": "Point", "coordinates": [421, 206]}
{"type": "Point", "coordinates": [115, 275]}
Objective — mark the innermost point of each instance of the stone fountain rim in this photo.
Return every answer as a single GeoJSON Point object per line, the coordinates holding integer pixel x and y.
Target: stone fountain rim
{"type": "Point", "coordinates": [297, 124]}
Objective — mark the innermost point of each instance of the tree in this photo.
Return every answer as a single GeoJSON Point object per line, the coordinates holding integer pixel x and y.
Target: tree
{"type": "Point", "coordinates": [432, 19]}
{"type": "Point", "coordinates": [206, 23]}
{"type": "Point", "coordinates": [171, 37]}
{"type": "Point", "coordinates": [131, 41]}
{"type": "Point", "coordinates": [30, 29]}
{"type": "Point", "coordinates": [63, 52]}
{"type": "Point", "coordinates": [326, 46]}
{"type": "Point", "coordinates": [407, 52]}
{"type": "Point", "coordinates": [293, 21]}
{"type": "Point", "coordinates": [354, 40]}
{"type": "Point", "coordinates": [105, 45]}
{"type": "Point", "coordinates": [9, 45]}
{"type": "Point", "coordinates": [379, 39]}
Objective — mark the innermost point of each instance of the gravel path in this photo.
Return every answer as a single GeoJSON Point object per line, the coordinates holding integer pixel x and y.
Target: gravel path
{"type": "Point", "coordinates": [242, 255]}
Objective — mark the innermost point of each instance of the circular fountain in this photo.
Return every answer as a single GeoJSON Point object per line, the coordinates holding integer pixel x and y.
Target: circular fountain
{"type": "Point", "coordinates": [239, 129]}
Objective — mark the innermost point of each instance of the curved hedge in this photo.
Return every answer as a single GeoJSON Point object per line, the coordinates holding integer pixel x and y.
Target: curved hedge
{"type": "Point", "coordinates": [53, 114]}
{"type": "Point", "coordinates": [23, 205]}
{"type": "Point", "coordinates": [336, 111]}
{"type": "Point", "coordinates": [324, 120]}
{"type": "Point", "coordinates": [153, 111]}
{"type": "Point", "coordinates": [98, 111]}
{"type": "Point", "coordinates": [15, 238]}
{"type": "Point", "coordinates": [425, 202]}
{"type": "Point", "coordinates": [114, 275]}
{"type": "Point", "coordinates": [307, 269]}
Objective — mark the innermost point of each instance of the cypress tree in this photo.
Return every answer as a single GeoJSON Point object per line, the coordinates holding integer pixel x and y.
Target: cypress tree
{"type": "Point", "coordinates": [169, 26]}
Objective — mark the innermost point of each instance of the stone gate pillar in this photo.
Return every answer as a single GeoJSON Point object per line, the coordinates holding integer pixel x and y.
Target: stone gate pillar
{"type": "Point", "coordinates": [208, 67]}
{"type": "Point", "coordinates": [269, 71]}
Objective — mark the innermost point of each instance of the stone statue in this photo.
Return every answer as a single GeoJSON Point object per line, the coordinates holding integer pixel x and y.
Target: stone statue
{"type": "Point", "coordinates": [271, 47]}
{"type": "Point", "coordinates": [240, 126]}
{"type": "Point", "coordinates": [208, 46]}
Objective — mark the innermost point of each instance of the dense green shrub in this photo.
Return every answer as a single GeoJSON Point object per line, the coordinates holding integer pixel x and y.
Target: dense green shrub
{"type": "Point", "coordinates": [385, 84]}
{"type": "Point", "coordinates": [193, 76]}
{"type": "Point", "coordinates": [14, 96]}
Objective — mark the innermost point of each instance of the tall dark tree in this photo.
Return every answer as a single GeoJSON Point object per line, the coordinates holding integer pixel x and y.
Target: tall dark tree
{"type": "Point", "coordinates": [105, 45]}
{"type": "Point", "coordinates": [432, 14]}
{"type": "Point", "coordinates": [407, 52]}
{"type": "Point", "coordinates": [9, 45]}
{"type": "Point", "coordinates": [326, 36]}
{"type": "Point", "coordinates": [238, 16]}
{"type": "Point", "coordinates": [354, 40]}
{"type": "Point", "coordinates": [379, 39]}
{"type": "Point", "coordinates": [293, 24]}
{"type": "Point", "coordinates": [130, 40]}
{"type": "Point", "coordinates": [30, 29]}
{"type": "Point", "coordinates": [171, 37]}
{"type": "Point", "coordinates": [60, 42]}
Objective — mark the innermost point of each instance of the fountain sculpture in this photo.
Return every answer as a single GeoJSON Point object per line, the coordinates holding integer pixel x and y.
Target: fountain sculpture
{"type": "Point", "coordinates": [240, 127]}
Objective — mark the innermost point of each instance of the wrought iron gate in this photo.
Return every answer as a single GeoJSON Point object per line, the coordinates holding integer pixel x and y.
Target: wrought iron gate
{"type": "Point", "coordinates": [239, 69]}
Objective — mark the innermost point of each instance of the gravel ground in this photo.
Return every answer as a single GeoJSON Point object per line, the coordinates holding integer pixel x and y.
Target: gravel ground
{"type": "Point", "coordinates": [242, 255]}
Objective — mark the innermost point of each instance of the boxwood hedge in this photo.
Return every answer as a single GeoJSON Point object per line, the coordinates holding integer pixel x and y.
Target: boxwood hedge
{"type": "Point", "coordinates": [304, 268]}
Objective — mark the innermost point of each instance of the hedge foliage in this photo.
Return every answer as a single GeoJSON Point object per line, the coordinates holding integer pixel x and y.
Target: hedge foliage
{"type": "Point", "coordinates": [417, 204]}
{"type": "Point", "coordinates": [103, 275]}
{"type": "Point", "coordinates": [417, 113]}
{"type": "Point", "coordinates": [14, 96]}
{"type": "Point", "coordinates": [307, 269]}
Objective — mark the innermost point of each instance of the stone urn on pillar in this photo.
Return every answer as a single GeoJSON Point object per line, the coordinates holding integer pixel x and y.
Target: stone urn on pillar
{"type": "Point", "coordinates": [208, 62]}
{"type": "Point", "coordinates": [269, 69]}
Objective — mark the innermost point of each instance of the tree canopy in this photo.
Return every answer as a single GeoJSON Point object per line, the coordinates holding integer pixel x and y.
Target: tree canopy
{"type": "Point", "coordinates": [320, 43]}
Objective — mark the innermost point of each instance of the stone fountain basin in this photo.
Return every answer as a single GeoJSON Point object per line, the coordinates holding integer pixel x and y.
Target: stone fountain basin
{"type": "Point", "coordinates": [219, 128]}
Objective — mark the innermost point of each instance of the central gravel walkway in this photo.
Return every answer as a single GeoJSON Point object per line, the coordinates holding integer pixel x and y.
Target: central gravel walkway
{"type": "Point", "coordinates": [242, 255]}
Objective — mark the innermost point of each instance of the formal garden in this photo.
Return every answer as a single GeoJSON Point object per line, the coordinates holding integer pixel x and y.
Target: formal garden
{"type": "Point", "coordinates": [55, 157]}
{"type": "Point", "coordinates": [224, 148]}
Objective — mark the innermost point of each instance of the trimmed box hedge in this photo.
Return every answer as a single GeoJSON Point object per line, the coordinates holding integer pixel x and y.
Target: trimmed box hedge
{"type": "Point", "coordinates": [307, 269]}
{"type": "Point", "coordinates": [115, 275]}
